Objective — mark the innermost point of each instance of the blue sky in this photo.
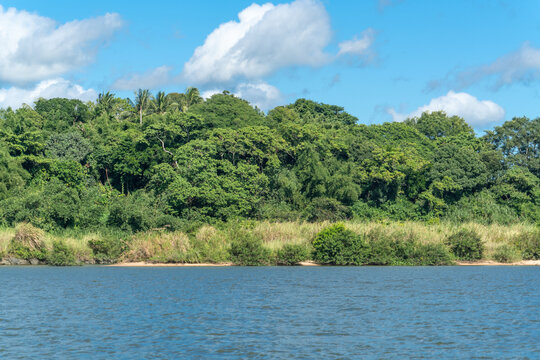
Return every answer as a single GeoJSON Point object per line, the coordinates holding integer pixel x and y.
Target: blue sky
{"type": "Point", "coordinates": [382, 60]}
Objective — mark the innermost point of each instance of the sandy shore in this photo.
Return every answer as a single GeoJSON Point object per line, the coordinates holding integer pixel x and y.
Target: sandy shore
{"type": "Point", "coordinates": [311, 263]}
{"type": "Point", "coordinates": [147, 264]}
{"type": "Point", "coordinates": [495, 263]}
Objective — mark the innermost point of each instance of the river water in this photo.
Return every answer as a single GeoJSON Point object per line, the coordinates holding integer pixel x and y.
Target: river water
{"type": "Point", "coordinates": [270, 313]}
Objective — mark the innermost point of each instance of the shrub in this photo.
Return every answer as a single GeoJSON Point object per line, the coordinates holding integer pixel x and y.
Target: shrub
{"type": "Point", "coordinates": [248, 250]}
{"type": "Point", "coordinates": [326, 209]}
{"type": "Point", "coordinates": [292, 254]}
{"type": "Point", "coordinates": [107, 250]}
{"type": "Point", "coordinates": [481, 207]}
{"type": "Point", "coordinates": [30, 236]}
{"type": "Point", "coordinates": [529, 245]}
{"type": "Point", "coordinates": [339, 246]}
{"type": "Point", "coordinates": [139, 211]}
{"type": "Point", "coordinates": [382, 249]}
{"type": "Point", "coordinates": [61, 255]}
{"type": "Point", "coordinates": [432, 255]}
{"type": "Point", "coordinates": [507, 254]}
{"type": "Point", "coordinates": [404, 249]}
{"type": "Point", "coordinates": [28, 243]}
{"type": "Point", "coordinates": [368, 212]}
{"type": "Point", "coordinates": [466, 245]}
{"type": "Point", "coordinates": [209, 245]}
{"type": "Point", "coordinates": [159, 246]}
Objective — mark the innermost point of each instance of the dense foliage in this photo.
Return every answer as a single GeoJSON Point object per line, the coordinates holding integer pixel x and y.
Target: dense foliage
{"type": "Point", "coordinates": [177, 159]}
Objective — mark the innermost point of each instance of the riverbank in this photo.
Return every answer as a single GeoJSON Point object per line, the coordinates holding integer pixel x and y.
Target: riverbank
{"type": "Point", "coordinates": [311, 263]}
{"type": "Point", "coordinates": [285, 243]}
{"type": "Point", "coordinates": [496, 263]}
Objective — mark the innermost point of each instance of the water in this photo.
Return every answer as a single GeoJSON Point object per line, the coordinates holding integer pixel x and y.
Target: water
{"type": "Point", "coordinates": [270, 313]}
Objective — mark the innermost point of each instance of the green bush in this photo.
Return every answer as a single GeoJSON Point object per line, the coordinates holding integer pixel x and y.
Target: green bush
{"type": "Point", "coordinates": [107, 250]}
{"type": "Point", "coordinates": [248, 250]}
{"type": "Point", "coordinates": [292, 254]}
{"type": "Point", "coordinates": [482, 208]}
{"type": "Point", "coordinates": [336, 245]}
{"type": "Point", "coordinates": [28, 243]}
{"type": "Point", "coordinates": [466, 245]}
{"type": "Point", "coordinates": [529, 245]}
{"type": "Point", "coordinates": [21, 251]}
{"type": "Point", "coordinates": [507, 254]}
{"type": "Point", "coordinates": [432, 255]}
{"type": "Point", "coordinates": [383, 250]}
{"type": "Point", "coordinates": [326, 209]}
{"type": "Point", "coordinates": [404, 249]}
{"type": "Point", "coordinates": [138, 211]}
{"type": "Point", "coordinates": [61, 255]}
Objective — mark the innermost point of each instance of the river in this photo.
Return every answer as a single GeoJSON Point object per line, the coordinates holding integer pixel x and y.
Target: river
{"type": "Point", "coordinates": [270, 313]}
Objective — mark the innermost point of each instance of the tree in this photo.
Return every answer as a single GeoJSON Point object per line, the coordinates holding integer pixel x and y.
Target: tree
{"type": "Point", "coordinates": [437, 124]}
{"type": "Point", "coordinates": [227, 111]}
{"type": "Point", "coordinates": [192, 97]}
{"type": "Point", "coordinates": [142, 102]}
{"type": "Point", "coordinates": [12, 175]}
{"type": "Point", "coordinates": [519, 141]}
{"type": "Point", "coordinates": [60, 114]}
{"type": "Point", "coordinates": [310, 111]}
{"type": "Point", "coordinates": [105, 103]}
{"type": "Point", "coordinates": [183, 101]}
{"type": "Point", "coordinates": [160, 103]}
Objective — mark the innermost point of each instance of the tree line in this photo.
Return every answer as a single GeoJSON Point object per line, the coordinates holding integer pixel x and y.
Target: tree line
{"type": "Point", "coordinates": [175, 159]}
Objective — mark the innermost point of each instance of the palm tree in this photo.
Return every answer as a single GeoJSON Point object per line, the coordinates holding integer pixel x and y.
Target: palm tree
{"type": "Point", "coordinates": [192, 97]}
{"type": "Point", "coordinates": [160, 103]}
{"type": "Point", "coordinates": [143, 98]}
{"type": "Point", "coordinates": [105, 102]}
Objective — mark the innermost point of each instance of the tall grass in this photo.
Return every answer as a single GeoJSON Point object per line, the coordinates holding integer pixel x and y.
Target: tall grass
{"type": "Point", "coordinates": [212, 244]}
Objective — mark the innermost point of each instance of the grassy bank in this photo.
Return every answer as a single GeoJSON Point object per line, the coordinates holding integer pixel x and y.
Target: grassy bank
{"type": "Point", "coordinates": [265, 243]}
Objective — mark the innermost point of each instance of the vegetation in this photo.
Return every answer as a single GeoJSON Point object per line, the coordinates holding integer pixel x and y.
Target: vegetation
{"type": "Point", "coordinates": [158, 177]}
{"type": "Point", "coordinates": [248, 250]}
{"type": "Point", "coordinates": [466, 245]}
{"type": "Point", "coordinates": [292, 254]}
{"type": "Point", "coordinates": [61, 255]}
{"type": "Point", "coordinates": [336, 245]}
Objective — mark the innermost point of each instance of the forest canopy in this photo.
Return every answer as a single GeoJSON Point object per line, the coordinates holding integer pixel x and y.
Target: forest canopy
{"type": "Point", "coordinates": [171, 159]}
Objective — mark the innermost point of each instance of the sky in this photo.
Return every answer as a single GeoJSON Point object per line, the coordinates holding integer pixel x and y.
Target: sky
{"type": "Point", "coordinates": [382, 60]}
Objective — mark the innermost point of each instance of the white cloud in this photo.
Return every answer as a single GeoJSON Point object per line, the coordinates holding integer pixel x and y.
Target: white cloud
{"type": "Point", "coordinates": [260, 94]}
{"type": "Point", "coordinates": [474, 111]}
{"type": "Point", "coordinates": [382, 4]}
{"type": "Point", "coordinates": [208, 93]}
{"type": "Point", "coordinates": [14, 97]}
{"type": "Point", "coordinates": [357, 46]}
{"type": "Point", "coordinates": [266, 37]}
{"type": "Point", "coordinates": [263, 95]}
{"type": "Point", "coordinates": [149, 80]}
{"type": "Point", "coordinates": [35, 48]}
{"type": "Point", "coordinates": [520, 66]}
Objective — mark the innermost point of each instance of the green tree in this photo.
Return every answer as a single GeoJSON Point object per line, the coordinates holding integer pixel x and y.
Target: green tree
{"type": "Point", "coordinates": [142, 102]}
{"type": "Point", "coordinates": [437, 124]}
{"type": "Point", "coordinates": [519, 141]}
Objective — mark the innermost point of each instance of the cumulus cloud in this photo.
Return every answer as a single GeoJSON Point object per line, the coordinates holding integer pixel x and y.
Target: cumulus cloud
{"type": "Point", "coordinates": [14, 97]}
{"type": "Point", "coordinates": [357, 46]}
{"type": "Point", "coordinates": [260, 94]}
{"type": "Point", "coordinates": [35, 48]}
{"type": "Point", "coordinates": [475, 112]}
{"type": "Point", "coordinates": [266, 37]}
{"type": "Point", "coordinates": [149, 80]}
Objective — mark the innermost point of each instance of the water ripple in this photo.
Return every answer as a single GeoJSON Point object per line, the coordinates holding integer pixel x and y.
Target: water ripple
{"type": "Point", "coordinates": [270, 313]}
